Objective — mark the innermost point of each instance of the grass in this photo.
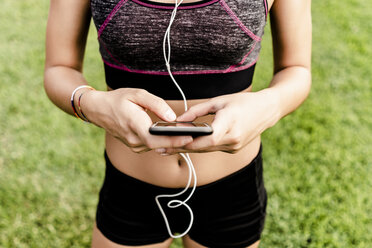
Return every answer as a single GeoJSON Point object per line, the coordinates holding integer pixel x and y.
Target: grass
{"type": "Point", "coordinates": [318, 160]}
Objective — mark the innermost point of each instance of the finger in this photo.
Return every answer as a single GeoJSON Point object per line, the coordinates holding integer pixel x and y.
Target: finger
{"type": "Point", "coordinates": [172, 151]}
{"type": "Point", "coordinates": [222, 123]}
{"type": "Point", "coordinates": [141, 149]}
{"type": "Point", "coordinates": [133, 141]}
{"type": "Point", "coordinates": [161, 141]}
{"type": "Point", "coordinates": [221, 126]}
{"type": "Point", "coordinates": [156, 141]}
{"type": "Point", "coordinates": [209, 107]}
{"type": "Point", "coordinates": [157, 105]}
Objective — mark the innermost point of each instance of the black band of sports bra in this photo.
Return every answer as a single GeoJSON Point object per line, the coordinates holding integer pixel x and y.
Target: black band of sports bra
{"type": "Point", "coordinates": [196, 86]}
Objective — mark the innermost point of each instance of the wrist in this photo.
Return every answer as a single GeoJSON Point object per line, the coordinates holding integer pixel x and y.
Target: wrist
{"type": "Point", "coordinates": [90, 104]}
{"type": "Point", "coordinates": [75, 101]}
{"type": "Point", "coordinates": [272, 108]}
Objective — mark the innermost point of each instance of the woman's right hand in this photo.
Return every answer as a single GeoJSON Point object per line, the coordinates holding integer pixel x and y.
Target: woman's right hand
{"type": "Point", "coordinates": [123, 113]}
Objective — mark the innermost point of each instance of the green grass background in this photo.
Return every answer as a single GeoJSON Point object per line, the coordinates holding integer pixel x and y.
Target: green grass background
{"type": "Point", "coordinates": [318, 160]}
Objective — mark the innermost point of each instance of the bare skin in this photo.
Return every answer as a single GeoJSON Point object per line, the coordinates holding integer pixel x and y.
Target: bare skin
{"type": "Point", "coordinates": [126, 114]}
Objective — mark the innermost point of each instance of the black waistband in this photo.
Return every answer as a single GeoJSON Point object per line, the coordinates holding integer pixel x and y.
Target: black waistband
{"type": "Point", "coordinates": [196, 86]}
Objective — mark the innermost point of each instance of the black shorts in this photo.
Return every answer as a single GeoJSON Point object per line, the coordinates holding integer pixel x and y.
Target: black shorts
{"type": "Point", "coordinates": [227, 213]}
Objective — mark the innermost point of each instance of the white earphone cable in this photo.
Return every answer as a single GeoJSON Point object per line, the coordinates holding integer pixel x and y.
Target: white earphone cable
{"type": "Point", "coordinates": [186, 156]}
{"type": "Point", "coordinates": [167, 55]}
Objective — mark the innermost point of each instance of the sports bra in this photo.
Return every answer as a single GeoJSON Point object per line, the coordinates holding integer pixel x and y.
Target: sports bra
{"type": "Point", "coordinates": [215, 45]}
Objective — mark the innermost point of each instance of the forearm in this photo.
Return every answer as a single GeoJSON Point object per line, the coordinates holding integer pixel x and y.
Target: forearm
{"type": "Point", "coordinates": [288, 90]}
{"type": "Point", "coordinates": [59, 83]}
{"type": "Point", "coordinates": [67, 29]}
{"type": "Point", "coordinates": [292, 38]}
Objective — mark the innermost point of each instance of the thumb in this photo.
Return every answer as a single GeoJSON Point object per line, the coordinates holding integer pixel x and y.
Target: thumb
{"type": "Point", "coordinates": [155, 104]}
{"type": "Point", "coordinates": [198, 110]}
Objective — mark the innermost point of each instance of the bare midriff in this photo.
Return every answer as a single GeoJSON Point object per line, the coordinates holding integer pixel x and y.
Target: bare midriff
{"type": "Point", "coordinates": [172, 171]}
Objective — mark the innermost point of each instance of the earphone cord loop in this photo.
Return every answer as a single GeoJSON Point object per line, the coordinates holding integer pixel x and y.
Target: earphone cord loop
{"type": "Point", "coordinates": [177, 203]}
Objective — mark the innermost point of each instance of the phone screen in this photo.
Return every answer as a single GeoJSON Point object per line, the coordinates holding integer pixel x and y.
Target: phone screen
{"type": "Point", "coordinates": [180, 124]}
{"type": "Point", "coordinates": [180, 128]}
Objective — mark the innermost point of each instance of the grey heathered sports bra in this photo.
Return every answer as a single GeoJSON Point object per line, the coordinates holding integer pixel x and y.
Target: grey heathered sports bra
{"type": "Point", "coordinates": [215, 45]}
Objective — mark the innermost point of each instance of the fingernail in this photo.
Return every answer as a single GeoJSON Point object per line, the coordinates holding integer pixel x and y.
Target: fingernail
{"type": "Point", "coordinates": [170, 115]}
{"type": "Point", "coordinates": [164, 154]}
{"type": "Point", "coordinates": [160, 150]}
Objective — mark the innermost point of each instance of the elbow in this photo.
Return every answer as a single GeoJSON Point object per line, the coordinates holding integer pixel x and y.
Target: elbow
{"type": "Point", "coordinates": [57, 74]}
{"type": "Point", "coordinates": [48, 81]}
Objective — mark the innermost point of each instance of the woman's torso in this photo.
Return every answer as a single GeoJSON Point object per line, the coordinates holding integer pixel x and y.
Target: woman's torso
{"type": "Point", "coordinates": [172, 171]}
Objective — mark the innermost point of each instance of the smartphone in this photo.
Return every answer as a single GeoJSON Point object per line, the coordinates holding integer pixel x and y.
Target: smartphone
{"type": "Point", "coordinates": [181, 128]}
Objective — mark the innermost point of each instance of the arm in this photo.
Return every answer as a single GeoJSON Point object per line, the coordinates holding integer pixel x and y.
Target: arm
{"type": "Point", "coordinates": [120, 112]}
{"type": "Point", "coordinates": [242, 117]}
{"type": "Point", "coordinates": [67, 30]}
{"type": "Point", "coordinates": [292, 53]}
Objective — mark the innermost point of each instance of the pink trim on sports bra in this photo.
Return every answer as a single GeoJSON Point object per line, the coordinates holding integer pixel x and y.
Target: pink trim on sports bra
{"type": "Point", "coordinates": [237, 21]}
{"type": "Point", "coordinates": [109, 17]}
{"type": "Point", "coordinates": [158, 6]}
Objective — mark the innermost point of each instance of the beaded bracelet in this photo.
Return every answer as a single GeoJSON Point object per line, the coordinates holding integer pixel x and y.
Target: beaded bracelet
{"type": "Point", "coordinates": [73, 104]}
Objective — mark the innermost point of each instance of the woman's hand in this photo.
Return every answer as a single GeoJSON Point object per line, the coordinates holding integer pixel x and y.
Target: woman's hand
{"type": "Point", "coordinates": [239, 118]}
{"type": "Point", "coordinates": [123, 113]}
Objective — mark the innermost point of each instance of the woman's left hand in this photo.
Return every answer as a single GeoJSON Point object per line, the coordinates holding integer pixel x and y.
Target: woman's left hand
{"type": "Point", "coordinates": [239, 118]}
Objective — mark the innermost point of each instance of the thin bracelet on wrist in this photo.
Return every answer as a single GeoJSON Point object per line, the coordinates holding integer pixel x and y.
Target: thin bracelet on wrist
{"type": "Point", "coordinates": [73, 103]}
{"type": "Point", "coordinates": [83, 117]}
